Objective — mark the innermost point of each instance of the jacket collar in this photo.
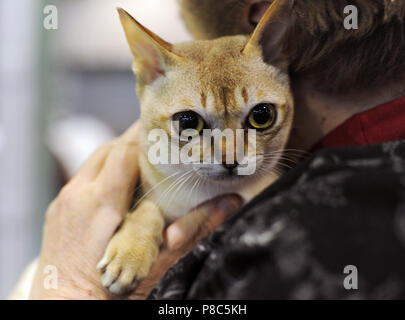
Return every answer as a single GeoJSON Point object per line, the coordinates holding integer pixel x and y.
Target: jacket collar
{"type": "Point", "coordinates": [381, 124]}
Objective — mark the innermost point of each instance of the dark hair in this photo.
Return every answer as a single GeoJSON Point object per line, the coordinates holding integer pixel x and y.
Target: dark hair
{"type": "Point", "coordinates": [342, 60]}
{"type": "Point", "coordinates": [339, 60]}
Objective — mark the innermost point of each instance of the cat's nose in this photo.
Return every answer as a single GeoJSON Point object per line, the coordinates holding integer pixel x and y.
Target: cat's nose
{"type": "Point", "coordinates": [230, 166]}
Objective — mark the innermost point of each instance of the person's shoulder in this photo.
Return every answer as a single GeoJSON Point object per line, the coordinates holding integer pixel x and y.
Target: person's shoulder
{"type": "Point", "coordinates": [339, 177]}
{"type": "Point", "coordinates": [361, 157]}
{"type": "Point", "coordinates": [341, 207]}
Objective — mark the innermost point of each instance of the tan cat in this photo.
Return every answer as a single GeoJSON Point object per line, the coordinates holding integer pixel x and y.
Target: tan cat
{"type": "Point", "coordinates": [217, 84]}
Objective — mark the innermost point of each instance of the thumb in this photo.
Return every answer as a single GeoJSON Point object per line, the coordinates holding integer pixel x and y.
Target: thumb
{"type": "Point", "coordinates": [200, 222]}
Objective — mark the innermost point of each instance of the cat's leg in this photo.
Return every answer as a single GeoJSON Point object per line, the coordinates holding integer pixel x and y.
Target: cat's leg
{"type": "Point", "coordinates": [132, 250]}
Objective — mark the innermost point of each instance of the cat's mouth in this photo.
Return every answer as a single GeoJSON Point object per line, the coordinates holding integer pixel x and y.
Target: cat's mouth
{"type": "Point", "coordinates": [225, 176]}
{"type": "Point", "coordinates": [226, 173]}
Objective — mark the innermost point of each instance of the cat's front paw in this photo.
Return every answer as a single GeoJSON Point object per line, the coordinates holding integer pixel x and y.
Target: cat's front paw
{"type": "Point", "coordinates": [126, 262]}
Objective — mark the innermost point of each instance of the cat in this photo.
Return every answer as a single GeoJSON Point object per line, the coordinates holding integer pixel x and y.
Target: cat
{"type": "Point", "coordinates": [216, 84]}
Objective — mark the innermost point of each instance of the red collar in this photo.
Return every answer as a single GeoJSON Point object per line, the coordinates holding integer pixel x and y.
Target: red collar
{"type": "Point", "coordinates": [380, 124]}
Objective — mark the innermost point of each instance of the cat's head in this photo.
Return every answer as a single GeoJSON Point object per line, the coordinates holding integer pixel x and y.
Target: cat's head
{"type": "Point", "coordinates": [217, 84]}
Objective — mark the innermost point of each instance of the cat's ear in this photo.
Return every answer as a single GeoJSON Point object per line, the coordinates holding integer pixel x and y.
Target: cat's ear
{"type": "Point", "coordinates": [152, 55]}
{"type": "Point", "coordinates": [273, 34]}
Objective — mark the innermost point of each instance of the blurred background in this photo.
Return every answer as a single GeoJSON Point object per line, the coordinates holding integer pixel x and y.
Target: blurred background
{"type": "Point", "coordinates": [63, 92]}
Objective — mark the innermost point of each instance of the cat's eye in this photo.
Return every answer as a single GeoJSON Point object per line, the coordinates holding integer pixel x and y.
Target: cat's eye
{"type": "Point", "coordinates": [262, 116]}
{"type": "Point", "coordinates": [189, 120]}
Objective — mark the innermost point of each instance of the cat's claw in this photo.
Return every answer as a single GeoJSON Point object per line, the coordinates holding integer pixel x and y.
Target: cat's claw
{"type": "Point", "coordinates": [123, 267]}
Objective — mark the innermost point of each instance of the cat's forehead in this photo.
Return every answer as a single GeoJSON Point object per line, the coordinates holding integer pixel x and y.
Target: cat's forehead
{"type": "Point", "coordinates": [219, 69]}
{"type": "Point", "coordinates": [204, 50]}
{"type": "Point", "coordinates": [214, 57]}
{"type": "Point", "coordinates": [220, 63]}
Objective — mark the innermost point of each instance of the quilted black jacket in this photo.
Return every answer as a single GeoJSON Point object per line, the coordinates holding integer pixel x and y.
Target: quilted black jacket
{"type": "Point", "coordinates": [341, 208]}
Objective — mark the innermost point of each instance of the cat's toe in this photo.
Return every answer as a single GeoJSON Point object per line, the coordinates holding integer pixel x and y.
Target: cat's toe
{"type": "Point", "coordinates": [123, 267]}
{"type": "Point", "coordinates": [119, 276]}
{"type": "Point", "coordinates": [123, 285]}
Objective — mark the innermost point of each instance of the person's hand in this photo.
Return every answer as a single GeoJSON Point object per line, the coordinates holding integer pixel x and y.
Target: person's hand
{"type": "Point", "coordinates": [180, 239]}
{"type": "Point", "coordinates": [82, 219]}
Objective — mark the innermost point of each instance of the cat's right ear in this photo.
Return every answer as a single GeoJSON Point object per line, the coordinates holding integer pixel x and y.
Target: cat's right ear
{"type": "Point", "coordinates": [152, 55]}
{"type": "Point", "coordinates": [273, 34]}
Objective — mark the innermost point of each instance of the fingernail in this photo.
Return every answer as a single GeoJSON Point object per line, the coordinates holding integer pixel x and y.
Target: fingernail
{"type": "Point", "coordinates": [175, 237]}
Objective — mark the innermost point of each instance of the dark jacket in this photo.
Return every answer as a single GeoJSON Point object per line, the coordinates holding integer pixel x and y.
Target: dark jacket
{"type": "Point", "coordinates": [341, 208]}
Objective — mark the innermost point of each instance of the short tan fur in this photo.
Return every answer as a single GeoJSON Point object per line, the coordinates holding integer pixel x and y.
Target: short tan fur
{"type": "Point", "coordinates": [221, 80]}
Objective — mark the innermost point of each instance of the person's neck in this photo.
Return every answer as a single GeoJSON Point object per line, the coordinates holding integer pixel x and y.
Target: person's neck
{"type": "Point", "coordinates": [318, 113]}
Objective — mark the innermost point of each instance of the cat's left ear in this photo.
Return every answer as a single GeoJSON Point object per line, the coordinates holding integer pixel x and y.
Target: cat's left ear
{"type": "Point", "coordinates": [273, 34]}
{"type": "Point", "coordinates": [152, 55]}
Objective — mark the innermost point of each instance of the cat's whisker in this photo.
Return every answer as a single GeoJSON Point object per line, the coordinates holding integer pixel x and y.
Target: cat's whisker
{"type": "Point", "coordinates": [192, 189]}
{"type": "Point", "coordinates": [177, 181]}
{"type": "Point", "coordinates": [274, 172]}
{"type": "Point", "coordinates": [276, 153]}
{"type": "Point", "coordinates": [286, 161]}
{"type": "Point", "coordinates": [185, 178]}
{"type": "Point", "coordinates": [171, 186]}
{"type": "Point", "coordinates": [180, 186]}
{"type": "Point", "coordinates": [284, 165]}
{"type": "Point", "coordinates": [166, 191]}
{"type": "Point", "coordinates": [276, 162]}
{"type": "Point", "coordinates": [299, 151]}
{"type": "Point", "coordinates": [162, 200]}
{"type": "Point", "coordinates": [152, 189]}
{"type": "Point", "coordinates": [290, 153]}
{"type": "Point", "coordinates": [261, 168]}
{"type": "Point", "coordinates": [281, 155]}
